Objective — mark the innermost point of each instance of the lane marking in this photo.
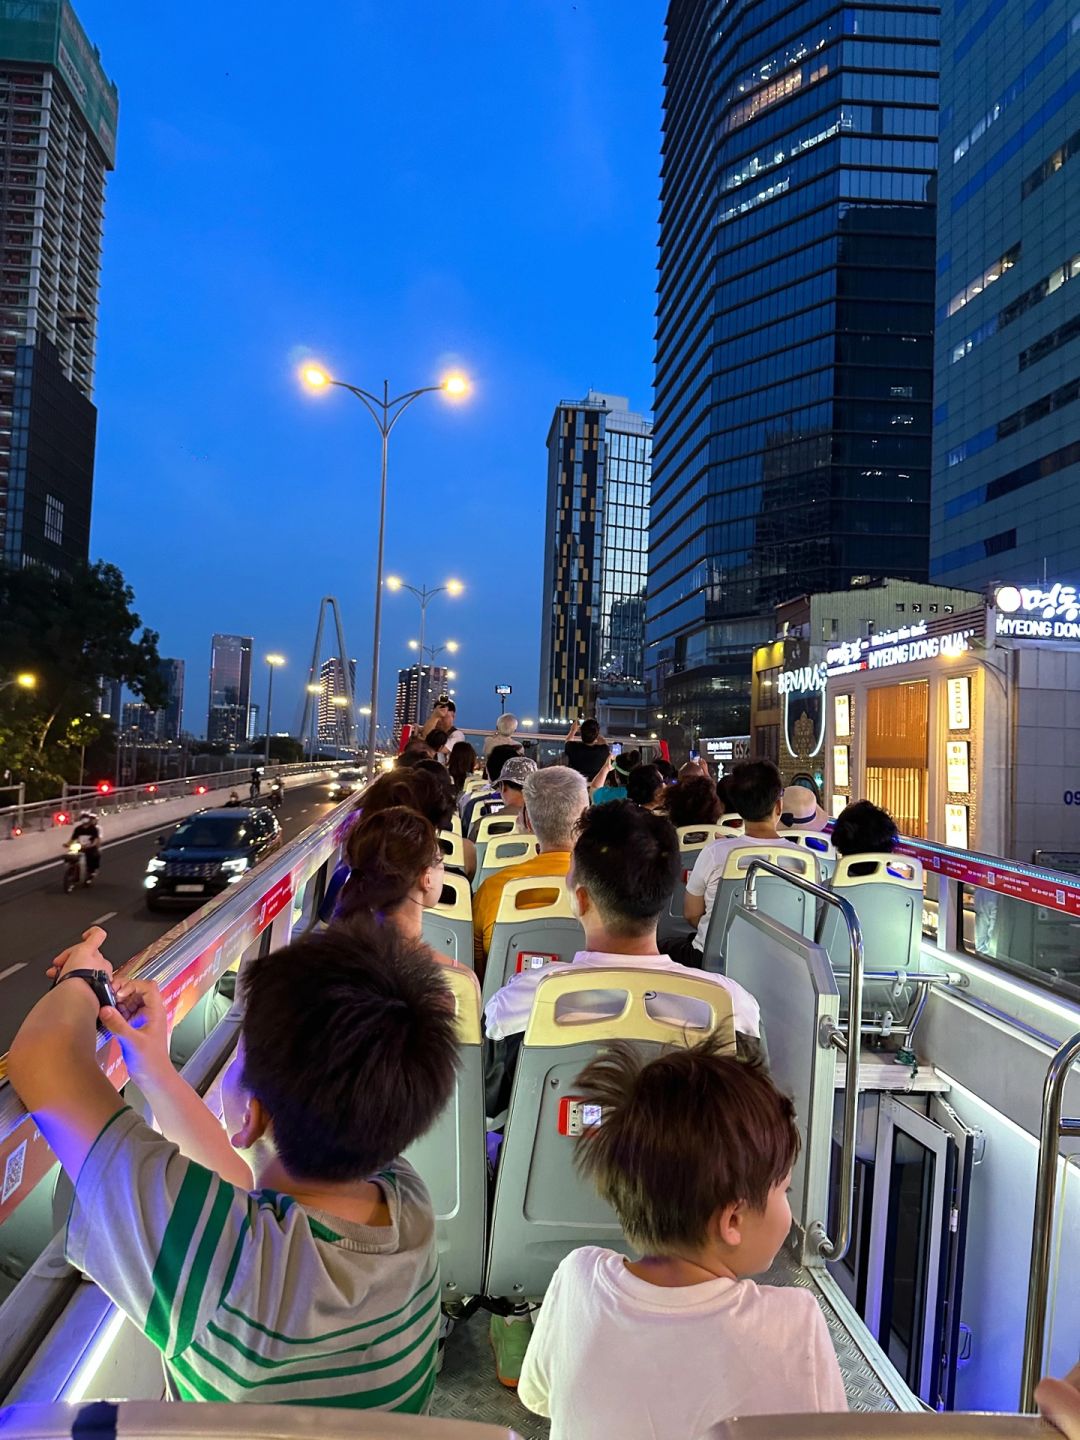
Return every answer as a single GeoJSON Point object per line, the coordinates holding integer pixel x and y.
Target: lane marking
{"type": "Point", "coordinates": [102, 918]}
{"type": "Point", "coordinates": [13, 969]}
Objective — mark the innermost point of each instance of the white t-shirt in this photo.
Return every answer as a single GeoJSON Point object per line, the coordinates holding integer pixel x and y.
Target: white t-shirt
{"type": "Point", "coordinates": [704, 878]}
{"type": "Point", "coordinates": [612, 1355]}
{"type": "Point", "coordinates": [508, 1010]}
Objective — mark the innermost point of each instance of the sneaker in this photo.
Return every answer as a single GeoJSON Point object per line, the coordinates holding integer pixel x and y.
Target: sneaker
{"type": "Point", "coordinates": [509, 1336]}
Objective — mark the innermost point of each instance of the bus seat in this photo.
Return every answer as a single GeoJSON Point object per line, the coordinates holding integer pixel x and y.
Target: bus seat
{"type": "Point", "coordinates": [451, 1158]}
{"type": "Point", "coordinates": [820, 844]}
{"type": "Point", "coordinates": [453, 849]}
{"type": "Point", "coordinates": [475, 784]}
{"type": "Point", "coordinates": [448, 926]}
{"type": "Point", "coordinates": [534, 924]}
{"type": "Point", "coordinates": [786, 903]}
{"type": "Point", "coordinates": [543, 1209]}
{"type": "Point", "coordinates": [482, 811]}
{"type": "Point", "coordinates": [455, 825]}
{"type": "Point", "coordinates": [731, 824]}
{"type": "Point", "coordinates": [492, 825]}
{"type": "Point", "coordinates": [503, 850]}
{"type": "Point", "coordinates": [692, 840]}
{"type": "Point", "coordinates": [886, 893]}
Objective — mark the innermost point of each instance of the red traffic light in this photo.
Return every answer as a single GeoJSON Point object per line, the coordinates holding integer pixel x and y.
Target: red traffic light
{"type": "Point", "coordinates": [104, 788]}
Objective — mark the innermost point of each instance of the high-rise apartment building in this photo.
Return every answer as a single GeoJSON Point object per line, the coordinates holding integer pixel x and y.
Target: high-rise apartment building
{"type": "Point", "coordinates": [58, 114]}
{"type": "Point", "coordinates": [595, 557]}
{"type": "Point", "coordinates": [230, 689]}
{"type": "Point", "coordinates": [1006, 497]}
{"type": "Point", "coordinates": [337, 703]}
{"type": "Point", "coordinates": [795, 311]}
{"type": "Point", "coordinates": [417, 687]}
{"type": "Point", "coordinates": [171, 718]}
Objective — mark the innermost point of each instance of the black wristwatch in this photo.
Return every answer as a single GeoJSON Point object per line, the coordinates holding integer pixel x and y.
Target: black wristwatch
{"type": "Point", "coordinates": [98, 981]}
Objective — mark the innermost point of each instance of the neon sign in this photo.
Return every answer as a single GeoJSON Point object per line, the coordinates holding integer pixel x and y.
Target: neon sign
{"type": "Point", "coordinates": [1037, 612]}
{"type": "Point", "coordinates": [894, 647]}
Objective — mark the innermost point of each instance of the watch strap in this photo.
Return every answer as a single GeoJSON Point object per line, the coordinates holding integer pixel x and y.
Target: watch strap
{"type": "Point", "coordinates": [98, 980]}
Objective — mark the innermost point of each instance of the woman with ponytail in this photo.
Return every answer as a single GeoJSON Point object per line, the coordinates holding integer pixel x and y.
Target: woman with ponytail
{"type": "Point", "coordinates": [396, 872]}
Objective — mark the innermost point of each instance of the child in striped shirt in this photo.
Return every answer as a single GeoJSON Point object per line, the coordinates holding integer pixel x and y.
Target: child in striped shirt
{"type": "Point", "coordinates": [289, 1257]}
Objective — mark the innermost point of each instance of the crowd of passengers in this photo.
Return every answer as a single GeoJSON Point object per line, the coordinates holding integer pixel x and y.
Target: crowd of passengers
{"type": "Point", "coordinates": [289, 1254]}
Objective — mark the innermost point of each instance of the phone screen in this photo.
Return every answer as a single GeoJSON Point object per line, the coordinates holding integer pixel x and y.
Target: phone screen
{"type": "Point", "coordinates": [616, 749]}
{"type": "Point", "coordinates": [590, 1115]}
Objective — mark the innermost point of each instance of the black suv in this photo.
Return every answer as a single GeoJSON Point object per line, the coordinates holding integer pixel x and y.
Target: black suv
{"type": "Point", "coordinates": [207, 852]}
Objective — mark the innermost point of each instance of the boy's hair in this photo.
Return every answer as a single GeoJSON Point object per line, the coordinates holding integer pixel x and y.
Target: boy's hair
{"type": "Point", "coordinates": [754, 789]}
{"type": "Point", "coordinates": [682, 1136]}
{"type": "Point", "coordinates": [644, 784]}
{"type": "Point", "coordinates": [498, 758]}
{"type": "Point", "coordinates": [350, 1043]}
{"type": "Point", "coordinates": [694, 802]}
{"type": "Point", "coordinates": [628, 860]}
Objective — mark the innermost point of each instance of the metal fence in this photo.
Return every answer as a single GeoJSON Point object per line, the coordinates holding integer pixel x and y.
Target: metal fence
{"type": "Point", "coordinates": [16, 820]}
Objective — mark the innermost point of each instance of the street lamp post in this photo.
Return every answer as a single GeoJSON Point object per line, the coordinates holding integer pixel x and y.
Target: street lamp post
{"type": "Point", "coordinates": [24, 681]}
{"type": "Point", "coordinates": [386, 413]}
{"type": "Point", "coordinates": [314, 726]}
{"type": "Point", "coordinates": [272, 662]}
{"type": "Point", "coordinates": [424, 595]}
{"type": "Point", "coordinates": [431, 651]}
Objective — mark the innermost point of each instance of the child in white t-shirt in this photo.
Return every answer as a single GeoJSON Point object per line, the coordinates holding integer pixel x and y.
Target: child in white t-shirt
{"type": "Point", "coordinates": [694, 1151]}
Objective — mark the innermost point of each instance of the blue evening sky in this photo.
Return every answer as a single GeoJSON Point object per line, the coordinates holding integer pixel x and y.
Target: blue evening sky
{"type": "Point", "coordinates": [391, 187]}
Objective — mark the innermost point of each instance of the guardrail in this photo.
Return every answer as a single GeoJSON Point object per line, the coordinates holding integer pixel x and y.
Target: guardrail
{"type": "Point", "coordinates": [17, 820]}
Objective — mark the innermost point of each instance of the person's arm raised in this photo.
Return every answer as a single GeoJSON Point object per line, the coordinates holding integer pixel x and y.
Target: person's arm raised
{"type": "Point", "coordinates": [52, 1065]}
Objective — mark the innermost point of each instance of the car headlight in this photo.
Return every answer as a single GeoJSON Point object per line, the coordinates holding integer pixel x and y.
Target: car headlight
{"type": "Point", "coordinates": [155, 864]}
{"type": "Point", "coordinates": [235, 867]}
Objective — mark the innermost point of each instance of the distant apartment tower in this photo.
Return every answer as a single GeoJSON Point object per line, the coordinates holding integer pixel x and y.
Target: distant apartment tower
{"type": "Point", "coordinates": [794, 329]}
{"type": "Point", "coordinates": [58, 114]}
{"type": "Point", "coordinates": [417, 688]}
{"type": "Point", "coordinates": [140, 725]}
{"type": "Point", "coordinates": [108, 704]}
{"type": "Point", "coordinates": [595, 560]}
{"type": "Point", "coordinates": [171, 718]}
{"type": "Point", "coordinates": [1006, 493]}
{"type": "Point", "coordinates": [337, 703]}
{"type": "Point", "coordinates": [230, 689]}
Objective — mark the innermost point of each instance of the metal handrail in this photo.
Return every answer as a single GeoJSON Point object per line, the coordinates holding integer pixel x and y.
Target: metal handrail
{"type": "Point", "coordinates": [1052, 1129]}
{"type": "Point", "coordinates": [837, 1248]}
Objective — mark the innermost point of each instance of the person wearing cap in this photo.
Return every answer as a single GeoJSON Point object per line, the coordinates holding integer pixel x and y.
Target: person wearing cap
{"type": "Point", "coordinates": [610, 782]}
{"type": "Point", "coordinates": [800, 810]}
{"type": "Point", "coordinates": [510, 785]}
{"type": "Point", "coordinates": [555, 800]}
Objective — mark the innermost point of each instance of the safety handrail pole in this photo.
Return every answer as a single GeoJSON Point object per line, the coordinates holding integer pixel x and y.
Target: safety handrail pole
{"type": "Point", "coordinates": [837, 1248]}
{"type": "Point", "coordinates": [1052, 1129]}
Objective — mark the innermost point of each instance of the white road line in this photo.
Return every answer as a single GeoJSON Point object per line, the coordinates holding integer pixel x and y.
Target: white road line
{"type": "Point", "coordinates": [102, 918]}
{"type": "Point", "coordinates": [12, 970]}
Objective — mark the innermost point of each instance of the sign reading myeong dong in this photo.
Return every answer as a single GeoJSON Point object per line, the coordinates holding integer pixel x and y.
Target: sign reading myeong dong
{"type": "Point", "coordinates": [880, 651]}
{"type": "Point", "coordinates": [1037, 612]}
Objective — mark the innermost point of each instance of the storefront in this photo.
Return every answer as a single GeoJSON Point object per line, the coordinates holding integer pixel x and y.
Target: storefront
{"type": "Point", "coordinates": [966, 728]}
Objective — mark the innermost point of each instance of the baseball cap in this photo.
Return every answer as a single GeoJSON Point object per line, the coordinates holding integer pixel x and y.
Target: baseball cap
{"type": "Point", "coordinates": [516, 771]}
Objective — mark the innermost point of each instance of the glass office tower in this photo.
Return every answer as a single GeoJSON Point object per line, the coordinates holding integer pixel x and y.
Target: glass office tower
{"type": "Point", "coordinates": [227, 721]}
{"type": "Point", "coordinates": [595, 556]}
{"type": "Point", "coordinates": [795, 310]}
{"type": "Point", "coordinates": [1007, 365]}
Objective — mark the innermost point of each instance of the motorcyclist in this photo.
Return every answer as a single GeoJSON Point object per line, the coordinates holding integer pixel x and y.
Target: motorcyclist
{"type": "Point", "coordinates": [256, 780]}
{"type": "Point", "coordinates": [88, 834]}
{"type": "Point", "coordinates": [277, 790]}
{"type": "Point", "coordinates": [233, 800]}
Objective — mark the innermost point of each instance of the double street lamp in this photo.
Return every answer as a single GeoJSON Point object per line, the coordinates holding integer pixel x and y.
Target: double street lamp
{"type": "Point", "coordinates": [386, 413]}
{"type": "Point", "coordinates": [425, 595]}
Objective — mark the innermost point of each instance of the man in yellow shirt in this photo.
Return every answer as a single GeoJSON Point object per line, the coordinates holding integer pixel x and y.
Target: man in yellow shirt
{"type": "Point", "coordinates": [555, 800]}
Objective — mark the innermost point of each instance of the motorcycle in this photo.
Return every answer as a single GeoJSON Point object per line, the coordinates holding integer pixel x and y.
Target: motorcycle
{"type": "Point", "coordinates": [276, 795]}
{"type": "Point", "coordinates": [76, 871]}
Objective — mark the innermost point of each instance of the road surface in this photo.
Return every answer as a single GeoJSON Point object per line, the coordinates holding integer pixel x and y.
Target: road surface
{"type": "Point", "coordinates": [37, 919]}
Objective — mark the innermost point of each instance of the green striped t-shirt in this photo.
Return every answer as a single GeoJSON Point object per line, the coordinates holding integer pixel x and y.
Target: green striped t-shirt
{"type": "Point", "coordinates": [252, 1296]}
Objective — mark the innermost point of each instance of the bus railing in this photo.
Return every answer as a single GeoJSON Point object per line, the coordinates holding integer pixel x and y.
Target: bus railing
{"type": "Point", "coordinates": [1052, 1129]}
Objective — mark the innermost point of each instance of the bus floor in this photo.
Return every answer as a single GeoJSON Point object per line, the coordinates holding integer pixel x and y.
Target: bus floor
{"type": "Point", "coordinates": [468, 1390]}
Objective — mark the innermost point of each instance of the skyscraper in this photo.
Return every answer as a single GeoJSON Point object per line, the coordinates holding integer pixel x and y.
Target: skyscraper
{"type": "Point", "coordinates": [230, 689]}
{"type": "Point", "coordinates": [172, 717]}
{"type": "Point", "coordinates": [337, 703]}
{"type": "Point", "coordinates": [795, 309]}
{"type": "Point", "coordinates": [416, 688]}
{"type": "Point", "coordinates": [595, 555]}
{"type": "Point", "coordinates": [58, 114]}
{"type": "Point", "coordinates": [1006, 502]}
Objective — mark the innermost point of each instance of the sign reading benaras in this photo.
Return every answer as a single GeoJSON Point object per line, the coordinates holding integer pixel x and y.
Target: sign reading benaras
{"type": "Point", "coordinates": [1037, 612]}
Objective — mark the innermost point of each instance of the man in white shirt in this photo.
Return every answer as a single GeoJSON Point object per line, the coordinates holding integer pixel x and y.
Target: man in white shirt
{"type": "Point", "coordinates": [755, 791]}
{"type": "Point", "coordinates": [694, 1152]}
{"type": "Point", "coordinates": [623, 869]}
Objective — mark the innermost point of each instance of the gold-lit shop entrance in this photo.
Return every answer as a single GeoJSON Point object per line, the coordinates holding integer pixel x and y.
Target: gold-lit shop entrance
{"type": "Point", "coordinates": [897, 753]}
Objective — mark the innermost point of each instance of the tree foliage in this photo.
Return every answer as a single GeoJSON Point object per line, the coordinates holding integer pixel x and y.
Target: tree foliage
{"type": "Point", "coordinates": [71, 631]}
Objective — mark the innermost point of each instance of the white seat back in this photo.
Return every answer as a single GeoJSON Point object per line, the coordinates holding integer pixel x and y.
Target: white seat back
{"type": "Point", "coordinates": [784, 902]}
{"type": "Point", "coordinates": [534, 924]}
{"type": "Point", "coordinates": [448, 926]}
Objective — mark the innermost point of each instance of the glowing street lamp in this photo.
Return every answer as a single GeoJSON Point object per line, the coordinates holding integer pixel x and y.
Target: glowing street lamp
{"type": "Point", "coordinates": [272, 663]}
{"type": "Point", "coordinates": [23, 681]}
{"type": "Point", "coordinates": [386, 413]}
{"type": "Point", "coordinates": [424, 594]}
